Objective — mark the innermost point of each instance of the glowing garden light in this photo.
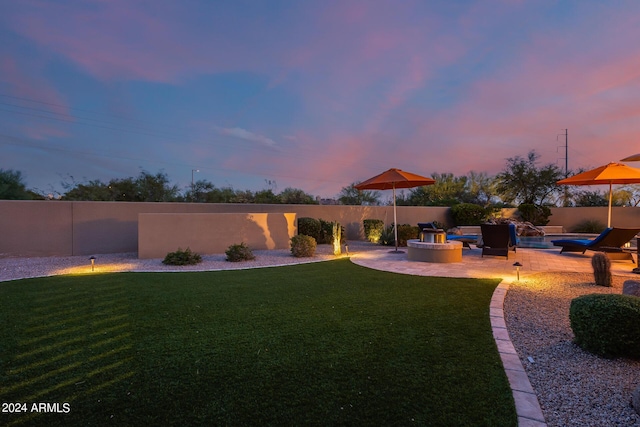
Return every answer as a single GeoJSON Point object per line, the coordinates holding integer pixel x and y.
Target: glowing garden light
{"type": "Point", "coordinates": [517, 265]}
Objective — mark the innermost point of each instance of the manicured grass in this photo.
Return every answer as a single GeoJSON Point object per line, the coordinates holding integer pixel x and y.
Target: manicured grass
{"type": "Point", "coordinates": [327, 343]}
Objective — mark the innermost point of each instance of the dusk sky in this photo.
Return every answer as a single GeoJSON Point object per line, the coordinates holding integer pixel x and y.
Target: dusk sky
{"type": "Point", "coordinates": [312, 94]}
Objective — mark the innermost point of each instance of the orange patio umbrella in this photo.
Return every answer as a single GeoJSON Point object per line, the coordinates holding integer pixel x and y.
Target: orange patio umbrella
{"type": "Point", "coordinates": [613, 173]}
{"type": "Point", "coordinates": [390, 180]}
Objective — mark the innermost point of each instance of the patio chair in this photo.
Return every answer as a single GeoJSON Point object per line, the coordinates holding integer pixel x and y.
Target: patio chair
{"type": "Point", "coordinates": [609, 241]}
{"type": "Point", "coordinates": [497, 239]}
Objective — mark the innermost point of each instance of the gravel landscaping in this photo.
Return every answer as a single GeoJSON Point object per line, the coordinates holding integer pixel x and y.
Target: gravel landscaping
{"type": "Point", "coordinates": [574, 387]}
{"type": "Point", "coordinates": [12, 268]}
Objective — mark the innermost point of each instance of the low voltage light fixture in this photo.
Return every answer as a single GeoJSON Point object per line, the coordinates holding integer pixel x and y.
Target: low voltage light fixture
{"type": "Point", "coordinates": [93, 260]}
{"type": "Point", "coordinates": [517, 265]}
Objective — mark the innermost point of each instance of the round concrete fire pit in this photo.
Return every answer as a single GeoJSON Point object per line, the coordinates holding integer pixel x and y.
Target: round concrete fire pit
{"type": "Point", "coordinates": [434, 252]}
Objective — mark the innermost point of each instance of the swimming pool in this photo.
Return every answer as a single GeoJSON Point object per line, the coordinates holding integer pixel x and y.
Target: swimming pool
{"type": "Point", "coordinates": [544, 242]}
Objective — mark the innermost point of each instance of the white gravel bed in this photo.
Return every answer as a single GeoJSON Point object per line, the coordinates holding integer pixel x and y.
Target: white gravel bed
{"type": "Point", "coordinates": [16, 268]}
{"type": "Point", "coordinates": [574, 387]}
{"type": "Point", "coordinates": [12, 268]}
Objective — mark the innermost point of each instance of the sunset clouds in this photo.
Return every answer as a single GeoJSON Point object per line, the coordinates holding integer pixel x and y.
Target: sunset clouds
{"type": "Point", "coordinates": [314, 94]}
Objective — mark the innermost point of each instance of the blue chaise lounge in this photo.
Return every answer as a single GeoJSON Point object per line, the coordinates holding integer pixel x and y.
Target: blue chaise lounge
{"type": "Point", "coordinates": [610, 241]}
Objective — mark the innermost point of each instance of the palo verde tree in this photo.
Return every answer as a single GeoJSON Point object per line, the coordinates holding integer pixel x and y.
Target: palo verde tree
{"type": "Point", "coordinates": [448, 190]}
{"type": "Point", "coordinates": [523, 182]}
{"type": "Point", "coordinates": [350, 195]}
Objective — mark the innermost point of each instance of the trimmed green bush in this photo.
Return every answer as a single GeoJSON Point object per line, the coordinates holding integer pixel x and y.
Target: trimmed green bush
{"type": "Point", "coordinates": [239, 252]}
{"type": "Point", "coordinates": [303, 246]}
{"type": "Point", "coordinates": [373, 229]}
{"type": "Point", "coordinates": [309, 227]}
{"type": "Point", "coordinates": [322, 231]}
{"type": "Point", "coordinates": [181, 257]}
{"type": "Point", "coordinates": [326, 232]}
{"type": "Point", "coordinates": [406, 232]}
{"type": "Point", "coordinates": [536, 215]}
{"type": "Point", "coordinates": [469, 214]}
{"type": "Point", "coordinates": [589, 226]}
{"type": "Point", "coordinates": [607, 324]}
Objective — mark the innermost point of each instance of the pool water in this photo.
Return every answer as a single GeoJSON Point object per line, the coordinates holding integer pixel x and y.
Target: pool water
{"type": "Point", "coordinates": [544, 242]}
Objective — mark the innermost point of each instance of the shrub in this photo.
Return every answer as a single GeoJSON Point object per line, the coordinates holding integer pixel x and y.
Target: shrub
{"type": "Point", "coordinates": [468, 214]}
{"type": "Point", "coordinates": [181, 257]}
{"type": "Point", "coordinates": [589, 226]}
{"type": "Point", "coordinates": [406, 232]}
{"type": "Point", "coordinates": [326, 232]}
{"type": "Point", "coordinates": [373, 229]}
{"type": "Point", "coordinates": [241, 252]}
{"type": "Point", "coordinates": [607, 324]}
{"type": "Point", "coordinates": [439, 225]}
{"type": "Point", "coordinates": [303, 246]}
{"type": "Point", "coordinates": [388, 238]}
{"type": "Point", "coordinates": [309, 227]}
{"type": "Point", "coordinates": [536, 215]}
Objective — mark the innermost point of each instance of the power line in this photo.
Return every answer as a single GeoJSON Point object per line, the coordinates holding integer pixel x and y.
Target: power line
{"type": "Point", "coordinates": [142, 128]}
{"type": "Point", "coordinates": [6, 140]}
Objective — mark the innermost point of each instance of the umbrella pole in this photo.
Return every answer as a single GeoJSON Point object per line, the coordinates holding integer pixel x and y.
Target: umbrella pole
{"type": "Point", "coordinates": [395, 219]}
{"type": "Point", "coordinates": [610, 199]}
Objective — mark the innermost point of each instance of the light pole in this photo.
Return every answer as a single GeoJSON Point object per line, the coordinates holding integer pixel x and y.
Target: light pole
{"type": "Point", "coordinates": [192, 183]}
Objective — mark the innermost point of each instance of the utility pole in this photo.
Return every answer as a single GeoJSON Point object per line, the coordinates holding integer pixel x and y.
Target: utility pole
{"type": "Point", "coordinates": [566, 153]}
{"type": "Point", "coordinates": [566, 165]}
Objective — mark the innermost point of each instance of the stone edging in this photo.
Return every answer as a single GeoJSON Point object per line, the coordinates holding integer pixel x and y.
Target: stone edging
{"type": "Point", "coordinates": [527, 405]}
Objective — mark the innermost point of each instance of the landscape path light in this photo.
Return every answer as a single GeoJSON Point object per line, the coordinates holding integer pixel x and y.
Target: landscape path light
{"type": "Point", "coordinates": [517, 265]}
{"type": "Point", "coordinates": [93, 260]}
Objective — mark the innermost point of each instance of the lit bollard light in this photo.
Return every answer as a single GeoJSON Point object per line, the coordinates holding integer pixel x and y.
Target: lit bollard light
{"type": "Point", "coordinates": [517, 265]}
{"type": "Point", "coordinates": [93, 259]}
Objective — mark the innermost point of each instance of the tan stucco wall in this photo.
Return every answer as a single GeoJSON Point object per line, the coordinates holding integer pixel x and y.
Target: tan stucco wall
{"type": "Point", "coordinates": [48, 228]}
{"type": "Point", "coordinates": [159, 234]}
{"type": "Point", "coordinates": [35, 228]}
{"type": "Point", "coordinates": [60, 228]}
{"type": "Point", "coordinates": [623, 217]}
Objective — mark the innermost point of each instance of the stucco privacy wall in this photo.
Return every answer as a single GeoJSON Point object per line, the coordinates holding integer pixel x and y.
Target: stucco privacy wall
{"type": "Point", "coordinates": [159, 234]}
{"type": "Point", "coordinates": [60, 228]}
{"type": "Point", "coordinates": [30, 228]}
{"type": "Point", "coordinates": [624, 217]}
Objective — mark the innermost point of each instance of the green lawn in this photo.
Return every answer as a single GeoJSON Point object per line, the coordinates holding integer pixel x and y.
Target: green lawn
{"type": "Point", "coordinates": [326, 343]}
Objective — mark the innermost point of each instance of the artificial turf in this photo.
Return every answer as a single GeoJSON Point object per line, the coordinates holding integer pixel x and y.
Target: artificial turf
{"type": "Point", "coordinates": [326, 343]}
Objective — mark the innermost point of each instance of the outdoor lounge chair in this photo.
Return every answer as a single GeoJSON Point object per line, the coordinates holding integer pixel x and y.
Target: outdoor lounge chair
{"type": "Point", "coordinates": [497, 239]}
{"type": "Point", "coordinates": [609, 241]}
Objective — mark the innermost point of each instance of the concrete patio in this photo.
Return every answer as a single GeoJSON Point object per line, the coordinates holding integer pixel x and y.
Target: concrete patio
{"type": "Point", "coordinates": [473, 265]}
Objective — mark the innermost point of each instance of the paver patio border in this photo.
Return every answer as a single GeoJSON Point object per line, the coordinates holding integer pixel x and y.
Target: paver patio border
{"type": "Point", "coordinates": [527, 405]}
